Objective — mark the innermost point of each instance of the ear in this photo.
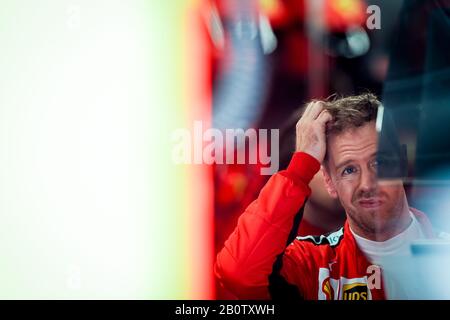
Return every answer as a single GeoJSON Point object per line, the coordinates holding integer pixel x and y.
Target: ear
{"type": "Point", "coordinates": [329, 185]}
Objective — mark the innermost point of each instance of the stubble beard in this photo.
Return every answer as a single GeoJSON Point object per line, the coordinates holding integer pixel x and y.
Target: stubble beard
{"type": "Point", "coordinates": [375, 224]}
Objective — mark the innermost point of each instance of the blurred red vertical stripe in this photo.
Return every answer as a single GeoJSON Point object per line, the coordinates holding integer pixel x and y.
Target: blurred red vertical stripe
{"type": "Point", "coordinates": [200, 184]}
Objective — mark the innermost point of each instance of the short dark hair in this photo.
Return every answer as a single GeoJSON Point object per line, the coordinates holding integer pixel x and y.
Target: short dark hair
{"type": "Point", "coordinates": [347, 112]}
{"type": "Point", "coordinates": [351, 112]}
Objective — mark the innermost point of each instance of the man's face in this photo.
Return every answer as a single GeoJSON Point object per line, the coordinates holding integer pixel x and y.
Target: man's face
{"type": "Point", "coordinates": [373, 207]}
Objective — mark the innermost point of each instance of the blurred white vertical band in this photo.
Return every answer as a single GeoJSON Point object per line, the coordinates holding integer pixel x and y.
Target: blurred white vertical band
{"type": "Point", "coordinates": [83, 205]}
{"type": "Point", "coordinates": [379, 121]}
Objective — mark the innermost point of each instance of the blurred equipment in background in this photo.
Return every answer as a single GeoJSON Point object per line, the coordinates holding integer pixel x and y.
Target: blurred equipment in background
{"type": "Point", "coordinates": [243, 36]}
{"type": "Point", "coordinates": [416, 98]}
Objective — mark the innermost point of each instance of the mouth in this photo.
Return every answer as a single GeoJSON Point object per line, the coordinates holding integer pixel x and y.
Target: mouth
{"type": "Point", "coordinates": [370, 203]}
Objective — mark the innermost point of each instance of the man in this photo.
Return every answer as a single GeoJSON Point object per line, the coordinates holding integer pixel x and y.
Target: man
{"type": "Point", "coordinates": [341, 136]}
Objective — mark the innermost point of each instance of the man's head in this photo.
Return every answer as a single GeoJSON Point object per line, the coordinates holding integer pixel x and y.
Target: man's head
{"type": "Point", "coordinates": [377, 210]}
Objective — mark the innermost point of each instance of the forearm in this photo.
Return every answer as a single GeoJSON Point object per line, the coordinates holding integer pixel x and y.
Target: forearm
{"type": "Point", "coordinates": [245, 262]}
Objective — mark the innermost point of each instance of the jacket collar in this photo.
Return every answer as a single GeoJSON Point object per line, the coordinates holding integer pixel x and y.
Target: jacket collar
{"type": "Point", "coordinates": [351, 242]}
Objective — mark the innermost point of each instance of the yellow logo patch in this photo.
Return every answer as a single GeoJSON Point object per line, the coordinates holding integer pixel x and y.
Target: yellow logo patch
{"type": "Point", "coordinates": [354, 291]}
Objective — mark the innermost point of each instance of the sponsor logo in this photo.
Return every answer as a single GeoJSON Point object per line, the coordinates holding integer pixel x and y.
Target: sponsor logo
{"type": "Point", "coordinates": [327, 289]}
{"type": "Point", "coordinates": [355, 291]}
{"type": "Point", "coordinates": [342, 288]}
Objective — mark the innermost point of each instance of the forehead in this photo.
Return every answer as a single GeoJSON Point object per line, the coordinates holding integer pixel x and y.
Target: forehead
{"type": "Point", "coordinates": [353, 144]}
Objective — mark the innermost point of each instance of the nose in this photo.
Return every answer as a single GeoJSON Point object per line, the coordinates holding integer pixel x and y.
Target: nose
{"type": "Point", "coordinates": [368, 182]}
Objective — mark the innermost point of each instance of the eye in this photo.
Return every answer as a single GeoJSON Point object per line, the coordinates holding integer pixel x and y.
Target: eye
{"type": "Point", "coordinates": [375, 163]}
{"type": "Point", "coordinates": [348, 170]}
{"type": "Point", "coordinates": [379, 163]}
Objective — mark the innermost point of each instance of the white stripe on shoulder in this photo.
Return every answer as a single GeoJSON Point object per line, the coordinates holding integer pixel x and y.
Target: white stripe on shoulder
{"type": "Point", "coordinates": [332, 238]}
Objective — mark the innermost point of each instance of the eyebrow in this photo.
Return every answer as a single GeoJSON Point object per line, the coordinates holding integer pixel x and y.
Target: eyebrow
{"type": "Point", "coordinates": [346, 162]}
{"type": "Point", "coordinates": [343, 164]}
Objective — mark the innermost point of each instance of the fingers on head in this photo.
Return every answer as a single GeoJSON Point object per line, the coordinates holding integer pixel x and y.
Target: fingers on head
{"type": "Point", "coordinates": [308, 109]}
{"type": "Point", "coordinates": [313, 110]}
{"type": "Point", "coordinates": [324, 116]}
{"type": "Point", "coordinates": [316, 108]}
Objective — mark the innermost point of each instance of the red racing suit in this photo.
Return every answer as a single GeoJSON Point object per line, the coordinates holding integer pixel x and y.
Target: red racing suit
{"type": "Point", "coordinates": [326, 267]}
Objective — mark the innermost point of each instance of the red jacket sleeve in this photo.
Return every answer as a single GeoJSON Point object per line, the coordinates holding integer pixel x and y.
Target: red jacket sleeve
{"type": "Point", "coordinates": [245, 262]}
